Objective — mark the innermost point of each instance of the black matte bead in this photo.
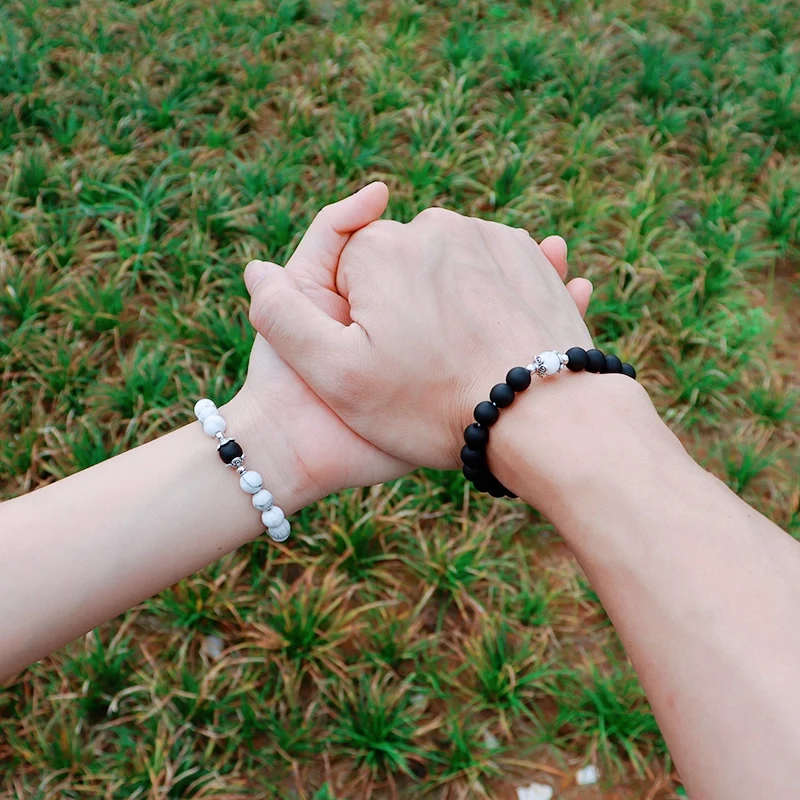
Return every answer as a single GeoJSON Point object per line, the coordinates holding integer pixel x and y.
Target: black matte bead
{"type": "Point", "coordinates": [502, 395]}
{"type": "Point", "coordinates": [472, 473]}
{"type": "Point", "coordinates": [474, 458]}
{"type": "Point", "coordinates": [483, 482]}
{"type": "Point", "coordinates": [613, 364]}
{"type": "Point", "coordinates": [229, 450]}
{"type": "Point", "coordinates": [595, 361]}
{"type": "Point", "coordinates": [476, 436]}
{"type": "Point", "coordinates": [577, 359]}
{"type": "Point", "coordinates": [518, 379]}
{"type": "Point", "coordinates": [628, 370]}
{"type": "Point", "coordinates": [497, 489]}
{"type": "Point", "coordinates": [486, 413]}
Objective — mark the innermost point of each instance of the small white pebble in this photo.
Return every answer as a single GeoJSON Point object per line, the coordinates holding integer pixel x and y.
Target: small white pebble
{"type": "Point", "coordinates": [536, 791]}
{"type": "Point", "coordinates": [490, 740]}
{"type": "Point", "coordinates": [587, 776]}
{"type": "Point", "coordinates": [419, 699]}
{"type": "Point", "coordinates": [251, 482]}
{"type": "Point", "coordinates": [213, 647]}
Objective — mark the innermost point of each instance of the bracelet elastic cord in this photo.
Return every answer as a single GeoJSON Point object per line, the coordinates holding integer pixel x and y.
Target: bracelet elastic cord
{"type": "Point", "coordinates": [250, 481]}
{"type": "Point", "coordinates": [546, 364]}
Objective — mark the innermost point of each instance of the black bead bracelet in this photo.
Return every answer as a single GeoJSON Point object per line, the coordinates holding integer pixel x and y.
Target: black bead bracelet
{"type": "Point", "coordinates": [476, 436]}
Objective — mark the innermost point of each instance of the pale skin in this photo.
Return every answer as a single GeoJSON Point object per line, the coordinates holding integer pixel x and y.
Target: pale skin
{"type": "Point", "coordinates": [702, 589]}
{"type": "Point", "coordinates": [398, 331]}
{"type": "Point", "coordinates": [81, 551]}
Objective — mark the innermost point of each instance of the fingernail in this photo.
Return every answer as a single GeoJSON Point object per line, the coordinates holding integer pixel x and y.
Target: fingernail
{"type": "Point", "coordinates": [253, 274]}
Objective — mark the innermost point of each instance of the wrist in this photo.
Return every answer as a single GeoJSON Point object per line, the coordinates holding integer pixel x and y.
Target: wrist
{"type": "Point", "coordinates": [575, 432]}
{"type": "Point", "coordinates": [255, 424]}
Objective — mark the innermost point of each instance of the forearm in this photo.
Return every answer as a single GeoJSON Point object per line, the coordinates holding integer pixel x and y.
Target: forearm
{"type": "Point", "coordinates": [702, 589]}
{"type": "Point", "coordinates": [81, 551]}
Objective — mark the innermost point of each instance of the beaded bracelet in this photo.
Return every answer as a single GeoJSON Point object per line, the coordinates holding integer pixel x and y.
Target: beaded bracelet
{"type": "Point", "coordinates": [550, 362]}
{"type": "Point", "coordinates": [250, 481]}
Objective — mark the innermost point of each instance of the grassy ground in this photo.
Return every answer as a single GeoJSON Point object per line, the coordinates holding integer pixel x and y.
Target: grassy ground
{"type": "Point", "coordinates": [409, 640]}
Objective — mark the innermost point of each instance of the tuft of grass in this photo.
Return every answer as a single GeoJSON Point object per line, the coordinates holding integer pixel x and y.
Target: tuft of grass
{"type": "Point", "coordinates": [609, 713]}
{"type": "Point", "coordinates": [374, 721]}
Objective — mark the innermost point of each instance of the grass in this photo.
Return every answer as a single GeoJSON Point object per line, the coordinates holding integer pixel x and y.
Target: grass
{"type": "Point", "coordinates": [412, 644]}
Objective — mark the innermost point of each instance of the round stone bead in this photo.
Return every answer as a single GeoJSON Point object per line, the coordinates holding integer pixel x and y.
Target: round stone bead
{"type": "Point", "coordinates": [473, 458]}
{"type": "Point", "coordinates": [214, 424]}
{"type": "Point", "coordinates": [595, 361]}
{"type": "Point", "coordinates": [229, 450]}
{"type": "Point", "coordinates": [613, 364]}
{"type": "Point", "coordinates": [251, 482]}
{"type": "Point", "coordinates": [577, 359]}
{"type": "Point", "coordinates": [472, 473]}
{"type": "Point", "coordinates": [518, 379]}
{"type": "Point", "coordinates": [280, 533]}
{"type": "Point", "coordinates": [272, 517]}
{"type": "Point", "coordinates": [482, 483]}
{"type": "Point", "coordinates": [497, 489]}
{"type": "Point", "coordinates": [486, 413]}
{"type": "Point", "coordinates": [627, 369]}
{"type": "Point", "coordinates": [476, 436]}
{"type": "Point", "coordinates": [548, 363]}
{"type": "Point", "coordinates": [502, 395]}
{"type": "Point", "coordinates": [263, 500]}
{"type": "Point", "coordinates": [204, 408]}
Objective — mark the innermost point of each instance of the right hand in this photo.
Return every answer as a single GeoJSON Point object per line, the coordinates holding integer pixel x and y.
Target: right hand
{"type": "Point", "coordinates": [439, 310]}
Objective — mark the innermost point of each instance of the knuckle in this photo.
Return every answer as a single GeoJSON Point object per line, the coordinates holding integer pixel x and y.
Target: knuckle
{"type": "Point", "coordinates": [378, 231]}
{"type": "Point", "coordinates": [436, 215]}
{"type": "Point", "coordinates": [326, 213]}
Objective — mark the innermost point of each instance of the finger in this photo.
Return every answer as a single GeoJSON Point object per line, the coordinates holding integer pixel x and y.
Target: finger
{"type": "Point", "coordinates": [555, 248]}
{"type": "Point", "coordinates": [314, 344]}
{"type": "Point", "coordinates": [317, 255]}
{"type": "Point", "coordinates": [581, 290]}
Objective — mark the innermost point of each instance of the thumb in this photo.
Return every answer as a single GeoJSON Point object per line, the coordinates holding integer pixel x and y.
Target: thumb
{"type": "Point", "coordinates": [315, 345]}
{"type": "Point", "coordinates": [317, 255]}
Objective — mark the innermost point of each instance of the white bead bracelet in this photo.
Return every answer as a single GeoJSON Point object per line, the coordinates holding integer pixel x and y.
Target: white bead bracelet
{"type": "Point", "coordinates": [250, 481]}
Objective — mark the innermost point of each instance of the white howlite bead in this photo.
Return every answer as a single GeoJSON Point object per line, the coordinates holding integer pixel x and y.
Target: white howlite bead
{"type": "Point", "coordinates": [272, 517]}
{"type": "Point", "coordinates": [547, 363]}
{"type": "Point", "coordinates": [214, 424]}
{"type": "Point", "coordinates": [263, 500]}
{"type": "Point", "coordinates": [550, 361]}
{"type": "Point", "coordinates": [204, 408]}
{"type": "Point", "coordinates": [251, 482]}
{"type": "Point", "coordinates": [280, 533]}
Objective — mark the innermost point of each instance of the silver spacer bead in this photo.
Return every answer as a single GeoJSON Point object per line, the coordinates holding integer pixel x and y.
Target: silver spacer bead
{"type": "Point", "coordinates": [241, 469]}
{"type": "Point", "coordinates": [220, 437]}
{"type": "Point", "coordinates": [237, 462]}
{"type": "Point", "coordinates": [564, 358]}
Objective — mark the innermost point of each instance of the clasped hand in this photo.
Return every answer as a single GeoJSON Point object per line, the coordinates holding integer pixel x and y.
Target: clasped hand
{"type": "Point", "coordinates": [380, 337]}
